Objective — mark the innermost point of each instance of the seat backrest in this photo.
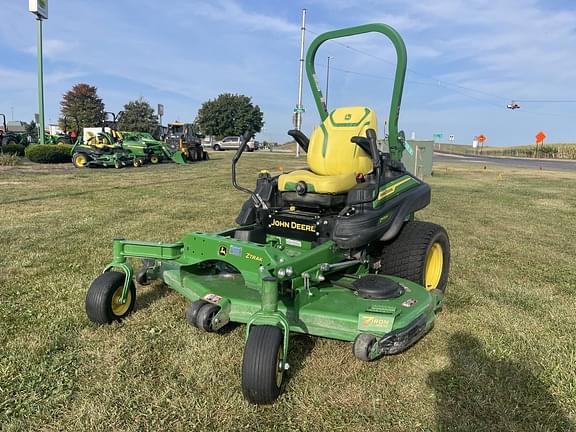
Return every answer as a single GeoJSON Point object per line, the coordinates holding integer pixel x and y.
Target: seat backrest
{"type": "Point", "coordinates": [331, 152]}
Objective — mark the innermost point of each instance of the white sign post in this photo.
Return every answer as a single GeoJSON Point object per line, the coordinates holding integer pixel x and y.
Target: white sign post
{"type": "Point", "coordinates": [39, 7]}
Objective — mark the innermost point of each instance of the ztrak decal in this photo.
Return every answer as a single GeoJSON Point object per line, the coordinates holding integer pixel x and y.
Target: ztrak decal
{"type": "Point", "coordinates": [253, 257]}
{"type": "Point", "coordinates": [394, 189]}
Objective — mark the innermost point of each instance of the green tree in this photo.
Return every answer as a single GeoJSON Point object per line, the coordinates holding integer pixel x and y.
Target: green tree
{"type": "Point", "coordinates": [82, 102]}
{"type": "Point", "coordinates": [229, 114]}
{"type": "Point", "coordinates": [138, 116]}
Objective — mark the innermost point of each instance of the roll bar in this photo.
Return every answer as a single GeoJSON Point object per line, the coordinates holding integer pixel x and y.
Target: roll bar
{"type": "Point", "coordinates": [395, 141]}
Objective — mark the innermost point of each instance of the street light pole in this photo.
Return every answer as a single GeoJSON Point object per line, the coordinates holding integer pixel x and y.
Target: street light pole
{"type": "Point", "coordinates": [299, 107]}
{"type": "Point", "coordinates": [40, 79]}
{"type": "Point", "coordinates": [327, 80]}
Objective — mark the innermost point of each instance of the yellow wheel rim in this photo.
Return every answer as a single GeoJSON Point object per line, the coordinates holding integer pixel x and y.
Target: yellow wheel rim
{"type": "Point", "coordinates": [118, 308]}
{"type": "Point", "coordinates": [434, 266]}
{"type": "Point", "coordinates": [80, 160]}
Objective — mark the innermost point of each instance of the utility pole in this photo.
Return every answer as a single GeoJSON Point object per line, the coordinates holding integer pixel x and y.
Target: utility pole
{"type": "Point", "coordinates": [327, 80]}
{"type": "Point", "coordinates": [299, 108]}
{"type": "Point", "coordinates": [40, 9]}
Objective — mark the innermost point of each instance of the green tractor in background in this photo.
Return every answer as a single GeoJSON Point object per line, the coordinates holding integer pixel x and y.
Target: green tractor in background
{"type": "Point", "coordinates": [12, 138]}
{"type": "Point", "coordinates": [103, 147]}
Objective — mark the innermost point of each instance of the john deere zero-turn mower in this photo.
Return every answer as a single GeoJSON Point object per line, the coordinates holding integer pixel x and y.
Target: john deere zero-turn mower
{"type": "Point", "coordinates": [102, 147]}
{"type": "Point", "coordinates": [331, 251]}
{"type": "Point", "coordinates": [143, 145]}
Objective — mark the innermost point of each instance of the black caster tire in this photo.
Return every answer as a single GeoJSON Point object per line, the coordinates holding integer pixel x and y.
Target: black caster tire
{"type": "Point", "coordinates": [362, 346]}
{"type": "Point", "coordinates": [102, 305]}
{"type": "Point", "coordinates": [192, 312]}
{"type": "Point", "coordinates": [420, 253]}
{"type": "Point", "coordinates": [262, 374]}
{"type": "Point", "coordinates": [117, 165]}
{"type": "Point", "coordinates": [205, 316]}
{"type": "Point", "coordinates": [141, 276]}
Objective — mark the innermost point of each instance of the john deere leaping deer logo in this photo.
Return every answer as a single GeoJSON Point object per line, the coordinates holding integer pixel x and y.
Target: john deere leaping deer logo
{"type": "Point", "coordinates": [222, 251]}
{"type": "Point", "coordinates": [348, 116]}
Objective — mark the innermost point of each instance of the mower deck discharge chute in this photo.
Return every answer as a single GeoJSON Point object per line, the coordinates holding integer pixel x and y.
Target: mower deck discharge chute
{"type": "Point", "coordinates": [331, 251]}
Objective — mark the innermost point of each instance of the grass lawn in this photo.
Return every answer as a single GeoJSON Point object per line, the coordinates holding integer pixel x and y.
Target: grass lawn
{"type": "Point", "coordinates": [502, 356]}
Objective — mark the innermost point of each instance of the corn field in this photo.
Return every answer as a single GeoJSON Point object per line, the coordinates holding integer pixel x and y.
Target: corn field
{"type": "Point", "coordinates": [546, 151]}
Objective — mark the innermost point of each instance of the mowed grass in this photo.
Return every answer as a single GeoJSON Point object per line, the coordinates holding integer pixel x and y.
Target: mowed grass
{"type": "Point", "coordinates": [501, 357]}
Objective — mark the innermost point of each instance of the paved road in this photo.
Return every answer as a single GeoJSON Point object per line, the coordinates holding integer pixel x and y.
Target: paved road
{"type": "Point", "coordinates": [562, 165]}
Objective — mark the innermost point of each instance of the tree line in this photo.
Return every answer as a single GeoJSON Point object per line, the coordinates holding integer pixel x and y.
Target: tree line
{"type": "Point", "coordinates": [227, 114]}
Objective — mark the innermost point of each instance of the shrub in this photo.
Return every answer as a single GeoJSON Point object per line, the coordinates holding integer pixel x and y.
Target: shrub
{"type": "Point", "coordinates": [49, 153]}
{"type": "Point", "coordinates": [7, 159]}
{"type": "Point", "coordinates": [13, 148]}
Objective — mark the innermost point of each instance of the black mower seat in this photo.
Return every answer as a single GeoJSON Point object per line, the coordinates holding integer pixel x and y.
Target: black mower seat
{"type": "Point", "coordinates": [334, 161]}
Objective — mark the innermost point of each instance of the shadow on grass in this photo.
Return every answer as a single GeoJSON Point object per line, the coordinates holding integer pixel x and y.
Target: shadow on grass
{"type": "Point", "coordinates": [155, 292]}
{"type": "Point", "coordinates": [479, 393]}
{"type": "Point", "coordinates": [301, 345]}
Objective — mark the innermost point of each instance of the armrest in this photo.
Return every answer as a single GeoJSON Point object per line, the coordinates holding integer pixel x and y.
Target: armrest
{"type": "Point", "coordinates": [363, 143]}
{"type": "Point", "coordinates": [369, 145]}
{"type": "Point", "coordinates": [302, 140]}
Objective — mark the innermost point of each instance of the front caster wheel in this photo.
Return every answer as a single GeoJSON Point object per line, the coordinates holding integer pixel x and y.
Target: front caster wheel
{"type": "Point", "coordinates": [103, 298]}
{"type": "Point", "coordinates": [362, 347]}
{"type": "Point", "coordinates": [205, 316]}
{"type": "Point", "coordinates": [262, 366]}
{"type": "Point", "coordinates": [192, 312]}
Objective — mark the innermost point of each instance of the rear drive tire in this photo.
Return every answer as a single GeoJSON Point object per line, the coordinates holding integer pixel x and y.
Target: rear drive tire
{"type": "Point", "coordinates": [262, 374]}
{"type": "Point", "coordinates": [420, 253]}
{"type": "Point", "coordinates": [154, 159]}
{"type": "Point", "coordinates": [102, 306]}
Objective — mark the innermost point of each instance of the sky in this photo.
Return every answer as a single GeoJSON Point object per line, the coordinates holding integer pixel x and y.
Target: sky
{"type": "Point", "coordinates": [467, 59]}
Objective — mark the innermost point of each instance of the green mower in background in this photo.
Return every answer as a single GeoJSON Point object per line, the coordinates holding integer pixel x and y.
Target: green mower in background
{"type": "Point", "coordinates": [143, 145]}
{"type": "Point", "coordinates": [332, 250]}
{"type": "Point", "coordinates": [102, 147]}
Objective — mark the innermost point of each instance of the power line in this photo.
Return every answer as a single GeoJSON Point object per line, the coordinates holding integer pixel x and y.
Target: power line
{"type": "Point", "coordinates": [446, 84]}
